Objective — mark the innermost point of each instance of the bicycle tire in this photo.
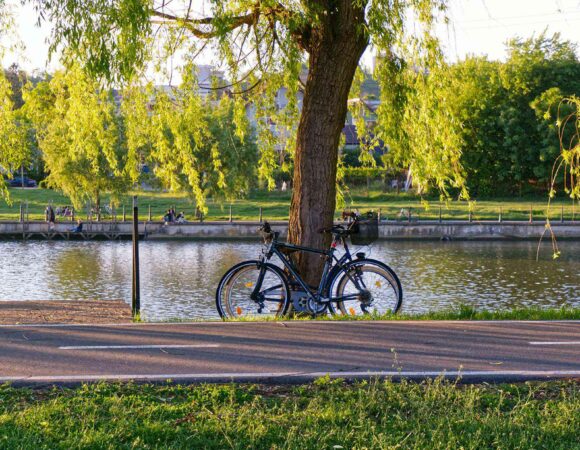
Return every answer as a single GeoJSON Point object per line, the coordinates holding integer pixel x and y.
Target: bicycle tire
{"type": "Point", "coordinates": [385, 297]}
{"type": "Point", "coordinates": [233, 293]}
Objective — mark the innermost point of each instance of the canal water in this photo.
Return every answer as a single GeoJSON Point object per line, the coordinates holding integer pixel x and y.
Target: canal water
{"type": "Point", "coordinates": [178, 279]}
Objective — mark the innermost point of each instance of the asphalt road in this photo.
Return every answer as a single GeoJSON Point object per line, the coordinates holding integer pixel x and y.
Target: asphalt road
{"type": "Point", "coordinates": [282, 352]}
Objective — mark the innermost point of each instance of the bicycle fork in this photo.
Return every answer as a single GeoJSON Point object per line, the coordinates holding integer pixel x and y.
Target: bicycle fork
{"type": "Point", "coordinates": [255, 295]}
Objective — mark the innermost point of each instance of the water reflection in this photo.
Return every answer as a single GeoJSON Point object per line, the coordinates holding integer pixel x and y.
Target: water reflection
{"type": "Point", "coordinates": [179, 278]}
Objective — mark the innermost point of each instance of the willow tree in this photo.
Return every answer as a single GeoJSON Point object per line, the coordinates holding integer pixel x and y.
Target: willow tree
{"type": "Point", "coordinates": [80, 136]}
{"type": "Point", "coordinates": [13, 143]}
{"type": "Point", "coordinates": [191, 143]}
{"type": "Point", "coordinates": [264, 44]}
{"type": "Point", "coordinates": [13, 138]}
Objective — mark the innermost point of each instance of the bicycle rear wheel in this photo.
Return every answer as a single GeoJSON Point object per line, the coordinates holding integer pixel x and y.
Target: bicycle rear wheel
{"type": "Point", "coordinates": [233, 296]}
{"type": "Point", "coordinates": [366, 287]}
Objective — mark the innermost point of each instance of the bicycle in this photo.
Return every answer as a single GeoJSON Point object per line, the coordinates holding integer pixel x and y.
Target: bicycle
{"type": "Point", "coordinates": [348, 285]}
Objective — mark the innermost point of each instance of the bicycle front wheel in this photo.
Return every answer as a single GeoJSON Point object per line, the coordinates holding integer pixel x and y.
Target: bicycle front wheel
{"type": "Point", "coordinates": [267, 284]}
{"type": "Point", "coordinates": [366, 287]}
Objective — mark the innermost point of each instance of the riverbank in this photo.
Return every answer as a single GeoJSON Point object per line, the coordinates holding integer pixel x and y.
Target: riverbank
{"type": "Point", "coordinates": [64, 312]}
{"type": "Point", "coordinates": [119, 312]}
{"type": "Point", "coordinates": [274, 205]}
{"type": "Point", "coordinates": [388, 230]}
{"type": "Point", "coordinates": [324, 414]}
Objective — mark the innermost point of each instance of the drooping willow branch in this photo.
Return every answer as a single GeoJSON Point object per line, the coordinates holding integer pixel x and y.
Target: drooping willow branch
{"type": "Point", "coordinates": [567, 165]}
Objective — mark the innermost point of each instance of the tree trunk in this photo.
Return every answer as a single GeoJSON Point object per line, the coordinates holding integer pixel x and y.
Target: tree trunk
{"type": "Point", "coordinates": [335, 47]}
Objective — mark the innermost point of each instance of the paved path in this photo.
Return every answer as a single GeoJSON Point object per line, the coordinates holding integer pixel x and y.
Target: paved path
{"type": "Point", "coordinates": [289, 351]}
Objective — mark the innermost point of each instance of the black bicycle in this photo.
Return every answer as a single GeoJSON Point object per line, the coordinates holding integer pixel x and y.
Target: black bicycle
{"type": "Point", "coordinates": [348, 285]}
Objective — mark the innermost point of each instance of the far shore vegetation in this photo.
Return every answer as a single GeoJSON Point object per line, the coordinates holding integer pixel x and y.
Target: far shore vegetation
{"type": "Point", "coordinates": [329, 414]}
{"type": "Point", "coordinates": [275, 206]}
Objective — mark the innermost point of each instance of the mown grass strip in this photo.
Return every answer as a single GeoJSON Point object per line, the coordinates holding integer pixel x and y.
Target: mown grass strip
{"type": "Point", "coordinates": [435, 414]}
{"type": "Point", "coordinates": [275, 206]}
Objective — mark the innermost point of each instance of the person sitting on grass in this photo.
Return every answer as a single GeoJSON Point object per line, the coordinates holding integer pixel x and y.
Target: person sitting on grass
{"type": "Point", "coordinates": [78, 228]}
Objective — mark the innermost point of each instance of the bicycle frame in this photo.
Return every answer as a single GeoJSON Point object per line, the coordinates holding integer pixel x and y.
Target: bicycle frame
{"type": "Point", "coordinates": [274, 248]}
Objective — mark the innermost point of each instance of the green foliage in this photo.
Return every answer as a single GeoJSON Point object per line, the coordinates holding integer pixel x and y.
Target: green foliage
{"type": "Point", "coordinates": [264, 46]}
{"type": "Point", "coordinates": [509, 112]}
{"type": "Point", "coordinates": [80, 135]}
{"type": "Point", "coordinates": [567, 165]}
{"type": "Point", "coordinates": [194, 145]}
{"type": "Point", "coordinates": [13, 143]}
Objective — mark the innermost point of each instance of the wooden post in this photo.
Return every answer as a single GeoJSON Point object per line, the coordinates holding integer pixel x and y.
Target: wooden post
{"type": "Point", "coordinates": [230, 219]}
{"type": "Point", "coordinates": [409, 215]}
{"type": "Point", "coordinates": [562, 214]}
{"type": "Point", "coordinates": [470, 216]}
{"type": "Point", "coordinates": [499, 219]}
{"type": "Point", "coordinates": [531, 220]}
{"type": "Point", "coordinates": [439, 213]}
{"type": "Point", "coordinates": [21, 213]}
{"type": "Point", "coordinates": [124, 214]}
{"type": "Point", "coordinates": [379, 215]}
{"type": "Point", "coordinates": [72, 213]}
{"type": "Point", "coordinates": [136, 294]}
{"type": "Point", "coordinates": [260, 215]}
{"type": "Point", "coordinates": [149, 215]}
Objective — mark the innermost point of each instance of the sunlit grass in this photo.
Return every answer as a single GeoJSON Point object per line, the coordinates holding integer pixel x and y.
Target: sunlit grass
{"type": "Point", "coordinates": [462, 313]}
{"type": "Point", "coordinates": [325, 414]}
{"type": "Point", "coordinates": [275, 206]}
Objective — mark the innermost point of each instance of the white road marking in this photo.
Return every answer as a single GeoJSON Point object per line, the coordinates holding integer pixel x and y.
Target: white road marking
{"type": "Point", "coordinates": [556, 343]}
{"type": "Point", "coordinates": [297, 375]}
{"type": "Point", "coordinates": [117, 347]}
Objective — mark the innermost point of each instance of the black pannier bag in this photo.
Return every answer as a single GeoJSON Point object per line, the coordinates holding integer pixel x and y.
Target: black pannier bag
{"type": "Point", "coordinates": [365, 229]}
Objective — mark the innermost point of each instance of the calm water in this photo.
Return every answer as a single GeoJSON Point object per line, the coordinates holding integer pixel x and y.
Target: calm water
{"type": "Point", "coordinates": [179, 278]}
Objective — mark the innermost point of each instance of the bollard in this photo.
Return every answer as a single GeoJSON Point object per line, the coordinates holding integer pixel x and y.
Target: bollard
{"type": "Point", "coordinates": [230, 220]}
{"type": "Point", "coordinates": [135, 292]}
{"type": "Point", "coordinates": [260, 215]}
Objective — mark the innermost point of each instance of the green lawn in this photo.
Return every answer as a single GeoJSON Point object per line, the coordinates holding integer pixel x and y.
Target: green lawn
{"type": "Point", "coordinates": [322, 415]}
{"type": "Point", "coordinates": [275, 206]}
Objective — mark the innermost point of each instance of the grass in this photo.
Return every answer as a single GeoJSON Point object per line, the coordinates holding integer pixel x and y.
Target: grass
{"type": "Point", "coordinates": [464, 312]}
{"type": "Point", "coordinates": [470, 313]}
{"type": "Point", "coordinates": [325, 414]}
{"type": "Point", "coordinates": [275, 206]}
